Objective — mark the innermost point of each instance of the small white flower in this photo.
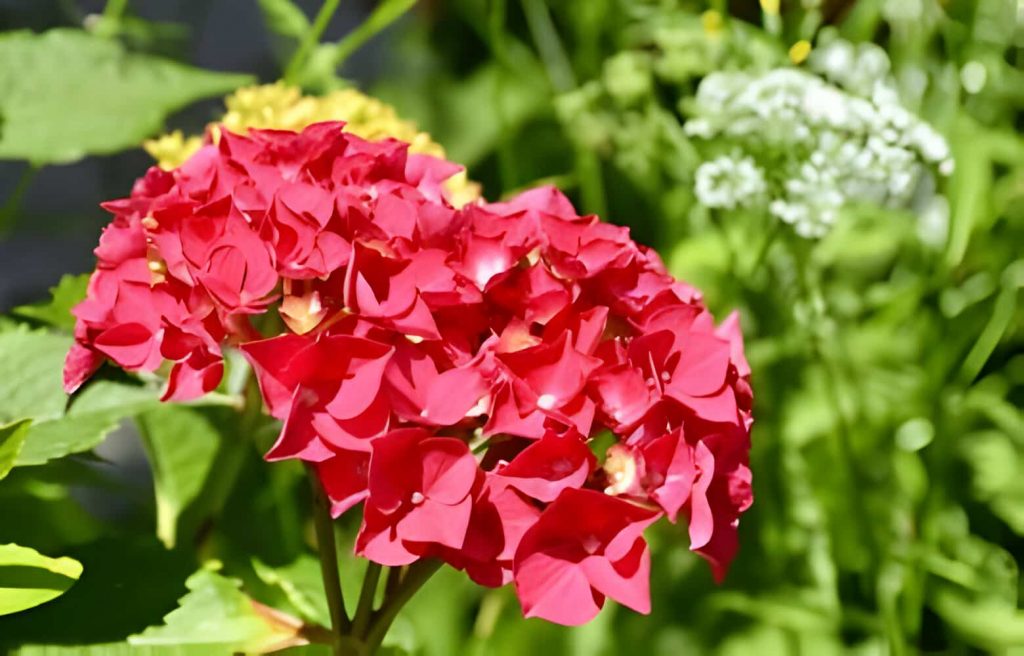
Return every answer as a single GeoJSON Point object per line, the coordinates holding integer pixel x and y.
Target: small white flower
{"type": "Point", "coordinates": [727, 182]}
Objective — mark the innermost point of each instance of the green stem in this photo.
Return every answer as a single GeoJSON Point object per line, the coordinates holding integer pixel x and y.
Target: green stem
{"type": "Point", "coordinates": [310, 39]}
{"type": "Point", "coordinates": [418, 574]}
{"type": "Point", "coordinates": [545, 36]}
{"type": "Point", "coordinates": [114, 9]}
{"type": "Point", "coordinates": [340, 624]}
{"type": "Point", "coordinates": [364, 609]}
{"type": "Point", "coordinates": [496, 36]}
{"type": "Point", "coordinates": [385, 14]}
{"type": "Point", "coordinates": [815, 298]}
{"type": "Point", "coordinates": [9, 210]}
{"type": "Point", "coordinates": [766, 245]}
{"type": "Point", "coordinates": [394, 580]}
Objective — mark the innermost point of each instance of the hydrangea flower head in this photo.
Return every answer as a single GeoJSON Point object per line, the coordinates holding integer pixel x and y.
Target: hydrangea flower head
{"type": "Point", "coordinates": [447, 368]}
{"type": "Point", "coordinates": [280, 106]}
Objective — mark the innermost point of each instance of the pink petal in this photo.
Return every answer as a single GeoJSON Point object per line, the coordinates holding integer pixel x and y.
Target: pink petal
{"type": "Point", "coordinates": [437, 523]}
{"type": "Point", "coordinates": [452, 394]}
{"type": "Point", "coordinates": [626, 581]}
{"type": "Point", "coordinates": [702, 366]}
{"type": "Point", "coordinates": [130, 345]}
{"type": "Point", "coordinates": [702, 521]}
{"type": "Point", "coordinates": [550, 465]}
{"type": "Point", "coordinates": [555, 590]}
{"type": "Point", "coordinates": [269, 358]}
{"type": "Point", "coordinates": [448, 469]}
{"type": "Point", "coordinates": [79, 365]}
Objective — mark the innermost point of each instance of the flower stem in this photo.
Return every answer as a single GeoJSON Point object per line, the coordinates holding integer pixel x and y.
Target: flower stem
{"type": "Point", "coordinates": [364, 609]}
{"type": "Point", "coordinates": [386, 13]}
{"type": "Point", "coordinates": [766, 245]}
{"type": "Point", "coordinates": [114, 9]}
{"type": "Point", "coordinates": [9, 209]}
{"type": "Point", "coordinates": [417, 574]}
{"type": "Point", "coordinates": [310, 39]}
{"type": "Point", "coordinates": [340, 624]}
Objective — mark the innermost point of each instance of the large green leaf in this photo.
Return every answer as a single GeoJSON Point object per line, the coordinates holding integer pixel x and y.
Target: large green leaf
{"type": "Point", "coordinates": [94, 414]}
{"type": "Point", "coordinates": [129, 584]}
{"type": "Point", "coordinates": [182, 444]}
{"type": "Point", "coordinates": [302, 584]}
{"type": "Point", "coordinates": [30, 374]}
{"type": "Point", "coordinates": [57, 311]}
{"type": "Point", "coordinates": [65, 94]}
{"type": "Point", "coordinates": [12, 438]}
{"type": "Point", "coordinates": [217, 614]}
{"type": "Point", "coordinates": [28, 578]}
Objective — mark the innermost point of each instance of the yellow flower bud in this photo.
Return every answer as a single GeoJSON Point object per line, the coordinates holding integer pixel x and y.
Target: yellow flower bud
{"type": "Point", "coordinates": [799, 52]}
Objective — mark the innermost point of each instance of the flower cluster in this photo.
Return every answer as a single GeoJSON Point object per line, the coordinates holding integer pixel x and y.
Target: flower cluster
{"type": "Point", "coordinates": [451, 369]}
{"type": "Point", "coordinates": [816, 146]}
{"type": "Point", "coordinates": [279, 106]}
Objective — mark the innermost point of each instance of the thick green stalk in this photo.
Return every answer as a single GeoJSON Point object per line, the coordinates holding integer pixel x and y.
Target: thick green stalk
{"type": "Point", "coordinates": [364, 608]}
{"type": "Point", "coordinates": [327, 549]}
{"type": "Point", "coordinates": [418, 574]}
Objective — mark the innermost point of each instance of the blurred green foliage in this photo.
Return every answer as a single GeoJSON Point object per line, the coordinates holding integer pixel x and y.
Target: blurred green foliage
{"type": "Point", "coordinates": [888, 356]}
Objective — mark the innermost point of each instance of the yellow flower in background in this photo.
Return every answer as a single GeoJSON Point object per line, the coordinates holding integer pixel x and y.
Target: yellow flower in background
{"type": "Point", "coordinates": [281, 107]}
{"type": "Point", "coordinates": [171, 150]}
{"type": "Point", "coordinates": [712, 22]}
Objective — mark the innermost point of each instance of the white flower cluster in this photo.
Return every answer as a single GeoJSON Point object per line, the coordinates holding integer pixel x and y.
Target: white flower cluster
{"type": "Point", "coordinates": [729, 182]}
{"type": "Point", "coordinates": [806, 145]}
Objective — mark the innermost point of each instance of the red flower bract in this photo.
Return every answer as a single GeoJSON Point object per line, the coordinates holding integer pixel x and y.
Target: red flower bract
{"type": "Point", "coordinates": [449, 369]}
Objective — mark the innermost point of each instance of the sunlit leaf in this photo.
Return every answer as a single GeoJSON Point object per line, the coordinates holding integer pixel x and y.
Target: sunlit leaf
{"type": "Point", "coordinates": [30, 374]}
{"type": "Point", "coordinates": [216, 613]}
{"type": "Point", "coordinates": [95, 413]}
{"type": "Point", "coordinates": [12, 438]}
{"type": "Point", "coordinates": [302, 584]}
{"type": "Point", "coordinates": [28, 578]}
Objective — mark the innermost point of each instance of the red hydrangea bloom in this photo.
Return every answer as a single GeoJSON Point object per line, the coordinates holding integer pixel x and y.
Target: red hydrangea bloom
{"type": "Point", "coordinates": [449, 369]}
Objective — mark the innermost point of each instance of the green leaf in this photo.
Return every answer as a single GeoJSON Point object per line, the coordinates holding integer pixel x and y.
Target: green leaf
{"type": "Point", "coordinates": [285, 18]}
{"type": "Point", "coordinates": [94, 414]}
{"type": "Point", "coordinates": [182, 445]}
{"type": "Point", "coordinates": [970, 188]}
{"type": "Point", "coordinates": [57, 311]}
{"type": "Point", "coordinates": [983, 622]}
{"type": "Point", "coordinates": [12, 438]}
{"type": "Point", "coordinates": [28, 578]}
{"type": "Point", "coordinates": [216, 613]}
{"type": "Point", "coordinates": [67, 94]}
{"type": "Point", "coordinates": [302, 584]}
{"type": "Point", "coordinates": [130, 583]}
{"type": "Point", "coordinates": [30, 374]}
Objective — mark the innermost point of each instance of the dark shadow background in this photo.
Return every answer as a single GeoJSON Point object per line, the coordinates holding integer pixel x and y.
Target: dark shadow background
{"type": "Point", "coordinates": [59, 220]}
